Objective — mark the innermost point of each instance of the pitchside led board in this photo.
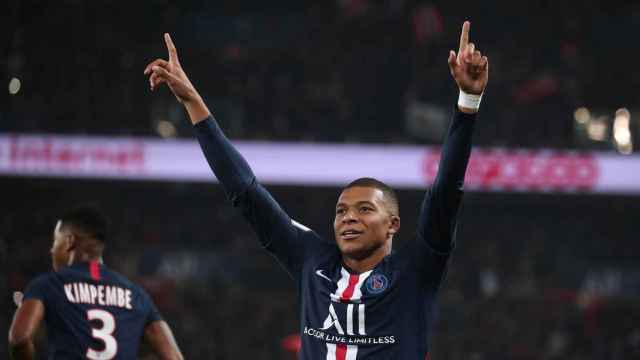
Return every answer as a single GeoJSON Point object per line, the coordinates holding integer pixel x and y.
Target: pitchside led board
{"type": "Point", "coordinates": [490, 169]}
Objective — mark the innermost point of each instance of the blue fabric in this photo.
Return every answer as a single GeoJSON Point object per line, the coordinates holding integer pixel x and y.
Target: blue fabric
{"type": "Point", "coordinates": [67, 306]}
{"type": "Point", "coordinates": [391, 312]}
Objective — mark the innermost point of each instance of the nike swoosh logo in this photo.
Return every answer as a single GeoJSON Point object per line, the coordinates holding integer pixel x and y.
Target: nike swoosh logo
{"type": "Point", "coordinates": [319, 273]}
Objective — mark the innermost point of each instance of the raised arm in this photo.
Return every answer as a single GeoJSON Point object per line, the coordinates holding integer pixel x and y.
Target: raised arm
{"type": "Point", "coordinates": [229, 166]}
{"type": "Point", "coordinates": [437, 222]}
{"type": "Point", "coordinates": [286, 239]}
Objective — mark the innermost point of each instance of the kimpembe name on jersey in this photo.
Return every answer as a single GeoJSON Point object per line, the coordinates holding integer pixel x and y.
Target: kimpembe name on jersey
{"type": "Point", "coordinates": [79, 292]}
{"type": "Point", "coordinates": [349, 339]}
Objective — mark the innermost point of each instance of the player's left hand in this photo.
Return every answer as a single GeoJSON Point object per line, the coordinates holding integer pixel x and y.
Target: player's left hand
{"type": "Point", "coordinates": [469, 68]}
{"type": "Point", "coordinates": [17, 298]}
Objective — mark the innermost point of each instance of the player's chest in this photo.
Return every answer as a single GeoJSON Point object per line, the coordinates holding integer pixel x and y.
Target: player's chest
{"type": "Point", "coordinates": [353, 303]}
{"type": "Point", "coordinates": [336, 284]}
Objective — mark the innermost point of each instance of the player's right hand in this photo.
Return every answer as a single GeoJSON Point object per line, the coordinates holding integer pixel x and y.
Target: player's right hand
{"type": "Point", "coordinates": [170, 72]}
{"type": "Point", "coordinates": [469, 68]}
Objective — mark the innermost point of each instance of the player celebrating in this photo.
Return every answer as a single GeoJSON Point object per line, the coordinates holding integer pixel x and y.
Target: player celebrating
{"type": "Point", "coordinates": [91, 312]}
{"type": "Point", "coordinates": [358, 299]}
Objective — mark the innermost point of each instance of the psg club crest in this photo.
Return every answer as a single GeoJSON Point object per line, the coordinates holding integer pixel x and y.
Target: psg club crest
{"type": "Point", "coordinates": [377, 283]}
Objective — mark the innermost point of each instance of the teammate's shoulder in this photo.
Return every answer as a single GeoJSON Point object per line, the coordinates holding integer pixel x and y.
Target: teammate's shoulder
{"type": "Point", "coordinates": [40, 284]}
{"type": "Point", "coordinates": [117, 277]}
{"type": "Point", "coordinates": [44, 277]}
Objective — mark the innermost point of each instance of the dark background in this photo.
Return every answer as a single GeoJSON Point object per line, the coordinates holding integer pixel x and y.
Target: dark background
{"type": "Point", "coordinates": [533, 277]}
{"type": "Point", "coordinates": [347, 70]}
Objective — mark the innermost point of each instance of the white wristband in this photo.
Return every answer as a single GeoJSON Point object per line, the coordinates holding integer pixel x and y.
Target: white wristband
{"type": "Point", "coordinates": [469, 101]}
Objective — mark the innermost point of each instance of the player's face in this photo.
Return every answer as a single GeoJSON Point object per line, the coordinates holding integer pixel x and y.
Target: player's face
{"type": "Point", "coordinates": [60, 250]}
{"type": "Point", "coordinates": [363, 225]}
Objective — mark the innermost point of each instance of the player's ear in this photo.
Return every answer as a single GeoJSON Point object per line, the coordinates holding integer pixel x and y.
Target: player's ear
{"type": "Point", "coordinates": [394, 227]}
{"type": "Point", "coordinates": [71, 241]}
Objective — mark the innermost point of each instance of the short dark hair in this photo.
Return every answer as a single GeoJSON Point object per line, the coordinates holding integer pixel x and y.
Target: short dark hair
{"type": "Point", "coordinates": [389, 195]}
{"type": "Point", "coordinates": [89, 220]}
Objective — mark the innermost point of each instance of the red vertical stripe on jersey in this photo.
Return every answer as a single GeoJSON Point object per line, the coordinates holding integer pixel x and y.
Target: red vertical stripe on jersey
{"type": "Point", "coordinates": [341, 351]}
{"type": "Point", "coordinates": [348, 292]}
{"type": "Point", "coordinates": [94, 270]}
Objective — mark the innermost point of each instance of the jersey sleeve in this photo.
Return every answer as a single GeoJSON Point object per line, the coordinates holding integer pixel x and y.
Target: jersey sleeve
{"type": "Point", "coordinates": [439, 211]}
{"type": "Point", "coordinates": [37, 288]}
{"type": "Point", "coordinates": [152, 311]}
{"type": "Point", "coordinates": [290, 242]}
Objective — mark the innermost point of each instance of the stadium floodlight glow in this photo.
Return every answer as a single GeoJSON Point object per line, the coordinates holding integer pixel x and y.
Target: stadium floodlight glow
{"type": "Point", "coordinates": [621, 131]}
{"type": "Point", "coordinates": [622, 136]}
{"type": "Point", "coordinates": [14, 86]}
{"type": "Point", "coordinates": [166, 129]}
{"type": "Point", "coordinates": [597, 129]}
{"type": "Point", "coordinates": [582, 115]}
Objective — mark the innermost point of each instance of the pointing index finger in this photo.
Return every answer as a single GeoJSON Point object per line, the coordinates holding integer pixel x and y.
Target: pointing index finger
{"type": "Point", "coordinates": [464, 36]}
{"type": "Point", "coordinates": [173, 53]}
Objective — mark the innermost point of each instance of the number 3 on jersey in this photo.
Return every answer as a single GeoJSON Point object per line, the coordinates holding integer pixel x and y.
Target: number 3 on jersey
{"type": "Point", "coordinates": [104, 333]}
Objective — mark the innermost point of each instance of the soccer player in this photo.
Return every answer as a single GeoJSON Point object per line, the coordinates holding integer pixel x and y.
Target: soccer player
{"type": "Point", "coordinates": [91, 312]}
{"type": "Point", "coordinates": [358, 299]}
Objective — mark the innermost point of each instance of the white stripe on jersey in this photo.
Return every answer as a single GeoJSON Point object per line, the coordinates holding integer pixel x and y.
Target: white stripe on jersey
{"type": "Point", "coordinates": [331, 351]}
{"type": "Point", "coordinates": [299, 226]}
{"type": "Point", "coordinates": [352, 352]}
{"type": "Point", "coordinates": [361, 320]}
{"type": "Point", "coordinates": [350, 319]}
{"type": "Point", "coordinates": [343, 283]}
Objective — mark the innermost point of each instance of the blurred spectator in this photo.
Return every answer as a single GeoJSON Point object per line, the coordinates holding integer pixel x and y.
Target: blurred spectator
{"type": "Point", "coordinates": [519, 286]}
{"type": "Point", "coordinates": [318, 71]}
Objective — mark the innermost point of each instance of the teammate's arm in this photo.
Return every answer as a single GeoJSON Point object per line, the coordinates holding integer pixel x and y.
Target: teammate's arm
{"type": "Point", "coordinates": [470, 70]}
{"type": "Point", "coordinates": [276, 231]}
{"type": "Point", "coordinates": [158, 334]}
{"type": "Point", "coordinates": [25, 323]}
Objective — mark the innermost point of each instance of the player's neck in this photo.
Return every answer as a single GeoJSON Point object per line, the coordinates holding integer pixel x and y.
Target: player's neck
{"type": "Point", "coordinates": [85, 257]}
{"type": "Point", "coordinates": [368, 263]}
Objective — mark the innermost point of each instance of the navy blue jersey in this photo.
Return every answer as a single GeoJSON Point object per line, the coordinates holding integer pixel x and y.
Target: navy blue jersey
{"type": "Point", "coordinates": [92, 312]}
{"type": "Point", "coordinates": [384, 313]}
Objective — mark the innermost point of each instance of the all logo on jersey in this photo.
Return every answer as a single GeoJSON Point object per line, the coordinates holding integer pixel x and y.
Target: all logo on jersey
{"type": "Point", "coordinates": [344, 329]}
{"type": "Point", "coordinates": [377, 283]}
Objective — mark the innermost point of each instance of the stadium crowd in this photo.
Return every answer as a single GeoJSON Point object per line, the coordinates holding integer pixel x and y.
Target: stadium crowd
{"type": "Point", "coordinates": [340, 71]}
{"type": "Point", "coordinates": [533, 277]}
{"type": "Point", "coordinates": [519, 286]}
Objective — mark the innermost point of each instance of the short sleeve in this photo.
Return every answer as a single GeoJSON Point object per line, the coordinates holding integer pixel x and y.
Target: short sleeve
{"type": "Point", "coordinates": [152, 311]}
{"type": "Point", "coordinates": [37, 288]}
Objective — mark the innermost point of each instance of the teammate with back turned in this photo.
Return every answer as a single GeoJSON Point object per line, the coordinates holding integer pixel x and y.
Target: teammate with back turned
{"type": "Point", "coordinates": [91, 312]}
{"type": "Point", "coordinates": [358, 299]}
